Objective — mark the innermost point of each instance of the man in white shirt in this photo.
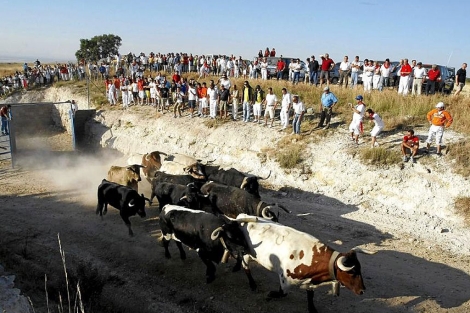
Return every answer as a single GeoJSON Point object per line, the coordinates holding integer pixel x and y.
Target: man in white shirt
{"type": "Point", "coordinates": [299, 110]}
{"type": "Point", "coordinates": [355, 67]}
{"type": "Point", "coordinates": [212, 96]}
{"type": "Point", "coordinates": [264, 69]}
{"type": "Point", "coordinates": [419, 73]}
{"type": "Point", "coordinates": [344, 70]}
{"type": "Point", "coordinates": [356, 126]}
{"type": "Point", "coordinates": [270, 107]}
{"type": "Point", "coordinates": [286, 104]}
{"type": "Point", "coordinates": [378, 127]}
{"type": "Point", "coordinates": [367, 75]}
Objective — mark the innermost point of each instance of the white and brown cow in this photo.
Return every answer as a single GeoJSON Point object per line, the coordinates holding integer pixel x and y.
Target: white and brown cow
{"type": "Point", "coordinates": [151, 162]}
{"type": "Point", "coordinates": [298, 258]}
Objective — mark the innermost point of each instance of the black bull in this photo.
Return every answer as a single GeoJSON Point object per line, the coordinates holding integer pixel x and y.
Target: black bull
{"type": "Point", "coordinates": [230, 177]}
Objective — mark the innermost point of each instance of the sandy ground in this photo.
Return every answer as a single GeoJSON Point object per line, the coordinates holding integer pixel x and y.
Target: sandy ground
{"type": "Point", "coordinates": [421, 264]}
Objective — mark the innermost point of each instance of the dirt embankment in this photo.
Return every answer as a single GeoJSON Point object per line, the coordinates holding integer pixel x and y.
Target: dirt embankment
{"type": "Point", "coordinates": [404, 213]}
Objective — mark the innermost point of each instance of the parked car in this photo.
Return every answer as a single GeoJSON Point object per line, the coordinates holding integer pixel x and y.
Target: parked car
{"type": "Point", "coordinates": [272, 68]}
{"type": "Point", "coordinates": [446, 84]}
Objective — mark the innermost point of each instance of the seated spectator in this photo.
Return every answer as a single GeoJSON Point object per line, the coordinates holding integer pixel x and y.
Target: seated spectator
{"type": "Point", "coordinates": [410, 145]}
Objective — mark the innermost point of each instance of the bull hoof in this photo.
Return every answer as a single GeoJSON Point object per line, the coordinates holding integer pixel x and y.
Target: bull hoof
{"type": "Point", "coordinates": [210, 279]}
{"type": "Point", "coordinates": [276, 294]}
{"type": "Point", "coordinates": [253, 287]}
{"type": "Point", "coordinates": [236, 268]}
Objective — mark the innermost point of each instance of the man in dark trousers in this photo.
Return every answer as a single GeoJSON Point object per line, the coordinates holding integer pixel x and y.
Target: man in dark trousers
{"type": "Point", "coordinates": [460, 78]}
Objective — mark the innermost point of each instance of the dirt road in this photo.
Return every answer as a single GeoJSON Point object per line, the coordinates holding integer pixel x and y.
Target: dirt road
{"type": "Point", "coordinates": [122, 274]}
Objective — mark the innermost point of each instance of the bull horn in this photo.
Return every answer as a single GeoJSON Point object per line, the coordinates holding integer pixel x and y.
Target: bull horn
{"type": "Point", "coordinates": [341, 265]}
{"type": "Point", "coordinates": [265, 214]}
{"type": "Point", "coordinates": [244, 183]}
{"type": "Point", "coordinates": [365, 251]}
{"type": "Point", "coordinates": [259, 177]}
{"type": "Point", "coordinates": [183, 198]}
{"type": "Point", "coordinates": [131, 203]}
{"type": "Point", "coordinates": [215, 234]}
{"type": "Point", "coordinates": [209, 162]}
{"type": "Point", "coordinates": [243, 218]}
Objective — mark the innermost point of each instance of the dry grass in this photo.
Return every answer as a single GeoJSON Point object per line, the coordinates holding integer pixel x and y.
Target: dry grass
{"type": "Point", "coordinates": [7, 69]}
{"type": "Point", "coordinates": [459, 152]}
{"type": "Point", "coordinates": [379, 156]}
{"type": "Point", "coordinates": [462, 206]}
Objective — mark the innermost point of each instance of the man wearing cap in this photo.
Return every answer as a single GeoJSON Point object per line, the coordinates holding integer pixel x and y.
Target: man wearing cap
{"type": "Point", "coordinates": [328, 100]}
{"type": "Point", "coordinates": [419, 72]}
{"type": "Point", "coordinates": [356, 127]}
{"type": "Point", "coordinates": [439, 119]}
{"type": "Point", "coordinates": [434, 75]}
{"type": "Point", "coordinates": [226, 82]}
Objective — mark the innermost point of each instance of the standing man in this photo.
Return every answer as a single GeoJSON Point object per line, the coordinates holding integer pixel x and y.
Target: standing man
{"type": "Point", "coordinates": [258, 97]}
{"type": "Point", "coordinates": [212, 96]}
{"type": "Point", "coordinates": [367, 75]}
{"type": "Point", "coordinates": [378, 126]}
{"type": "Point", "coordinates": [405, 72]}
{"type": "Point", "coordinates": [286, 104]}
{"type": "Point", "coordinates": [434, 76]}
{"type": "Point", "coordinates": [328, 100]}
{"type": "Point", "coordinates": [384, 75]}
{"type": "Point", "coordinates": [439, 119]}
{"type": "Point", "coordinates": [356, 126]}
{"type": "Point", "coordinates": [247, 100]}
{"type": "Point", "coordinates": [313, 67]}
{"type": "Point", "coordinates": [223, 99]}
{"type": "Point", "coordinates": [419, 73]}
{"type": "Point", "coordinates": [409, 145]}
{"type": "Point", "coordinates": [5, 114]}
{"type": "Point", "coordinates": [280, 67]}
{"type": "Point", "coordinates": [326, 66]}
{"type": "Point", "coordinates": [296, 70]}
{"type": "Point", "coordinates": [460, 78]}
{"type": "Point", "coordinates": [299, 110]}
{"type": "Point", "coordinates": [344, 70]}
{"type": "Point", "coordinates": [264, 69]}
{"type": "Point", "coordinates": [355, 67]}
{"type": "Point", "coordinates": [270, 108]}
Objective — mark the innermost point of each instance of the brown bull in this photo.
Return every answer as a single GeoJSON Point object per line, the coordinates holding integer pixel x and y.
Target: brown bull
{"type": "Point", "coordinates": [127, 176]}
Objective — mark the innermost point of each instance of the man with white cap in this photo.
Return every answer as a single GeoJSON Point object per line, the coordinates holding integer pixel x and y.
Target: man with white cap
{"type": "Point", "coordinates": [356, 126]}
{"type": "Point", "coordinates": [439, 119]}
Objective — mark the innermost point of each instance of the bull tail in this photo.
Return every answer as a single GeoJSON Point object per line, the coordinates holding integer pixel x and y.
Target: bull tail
{"type": "Point", "coordinates": [284, 208]}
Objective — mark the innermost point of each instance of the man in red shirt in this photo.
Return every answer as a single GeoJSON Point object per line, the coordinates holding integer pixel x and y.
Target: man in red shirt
{"type": "Point", "coordinates": [5, 114]}
{"type": "Point", "coordinates": [273, 53]}
{"type": "Point", "coordinates": [410, 145]}
{"type": "Point", "coordinates": [176, 78]}
{"type": "Point", "coordinates": [434, 76]}
{"type": "Point", "coordinates": [326, 66]}
{"type": "Point", "coordinates": [280, 66]}
{"type": "Point", "coordinates": [405, 72]}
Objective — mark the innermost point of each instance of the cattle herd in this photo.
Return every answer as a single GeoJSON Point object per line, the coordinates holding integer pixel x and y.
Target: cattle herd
{"type": "Point", "coordinates": [219, 213]}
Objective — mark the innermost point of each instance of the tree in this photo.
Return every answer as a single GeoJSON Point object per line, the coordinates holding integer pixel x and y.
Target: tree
{"type": "Point", "coordinates": [98, 47]}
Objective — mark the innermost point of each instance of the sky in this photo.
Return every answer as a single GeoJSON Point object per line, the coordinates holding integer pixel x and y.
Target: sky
{"type": "Point", "coordinates": [429, 31]}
